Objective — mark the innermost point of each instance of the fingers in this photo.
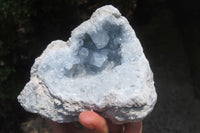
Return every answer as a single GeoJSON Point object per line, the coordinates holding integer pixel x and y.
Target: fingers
{"type": "Point", "coordinates": [96, 122]}
{"type": "Point", "coordinates": [93, 121]}
{"type": "Point", "coordinates": [135, 127]}
{"type": "Point", "coordinates": [113, 128]}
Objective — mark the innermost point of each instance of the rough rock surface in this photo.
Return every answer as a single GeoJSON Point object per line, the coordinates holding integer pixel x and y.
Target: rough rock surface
{"type": "Point", "coordinates": [101, 67]}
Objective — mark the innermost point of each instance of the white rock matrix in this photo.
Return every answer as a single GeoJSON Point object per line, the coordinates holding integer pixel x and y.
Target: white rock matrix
{"type": "Point", "coordinates": [101, 67]}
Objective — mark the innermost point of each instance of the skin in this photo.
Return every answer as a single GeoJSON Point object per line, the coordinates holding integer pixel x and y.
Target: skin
{"type": "Point", "coordinates": [95, 123]}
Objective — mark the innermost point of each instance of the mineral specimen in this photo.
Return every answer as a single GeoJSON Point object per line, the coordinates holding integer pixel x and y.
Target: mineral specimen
{"type": "Point", "coordinates": [101, 67]}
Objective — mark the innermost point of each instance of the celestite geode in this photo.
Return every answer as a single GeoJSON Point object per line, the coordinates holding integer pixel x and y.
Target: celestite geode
{"type": "Point", "coordinates": [101, 67]}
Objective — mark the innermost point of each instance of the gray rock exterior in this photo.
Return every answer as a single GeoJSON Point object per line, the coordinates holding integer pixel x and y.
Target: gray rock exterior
{"type": "Point", "coordinates": [101, 67]}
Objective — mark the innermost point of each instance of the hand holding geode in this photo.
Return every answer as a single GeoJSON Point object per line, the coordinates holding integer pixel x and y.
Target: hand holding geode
{"type": "Point", "coordinates": [101, 67]}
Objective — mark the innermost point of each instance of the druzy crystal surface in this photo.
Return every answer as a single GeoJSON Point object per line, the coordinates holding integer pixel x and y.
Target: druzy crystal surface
{"type": "Point", "coordinates": [101, 67]}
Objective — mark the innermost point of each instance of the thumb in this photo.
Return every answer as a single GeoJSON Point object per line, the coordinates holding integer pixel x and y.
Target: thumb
{"type": "Point", "coordinates": [93, 121]}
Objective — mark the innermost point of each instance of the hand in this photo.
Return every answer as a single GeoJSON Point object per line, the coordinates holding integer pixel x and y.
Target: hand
{"type": "Point", "coordinates": [95, 123]}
